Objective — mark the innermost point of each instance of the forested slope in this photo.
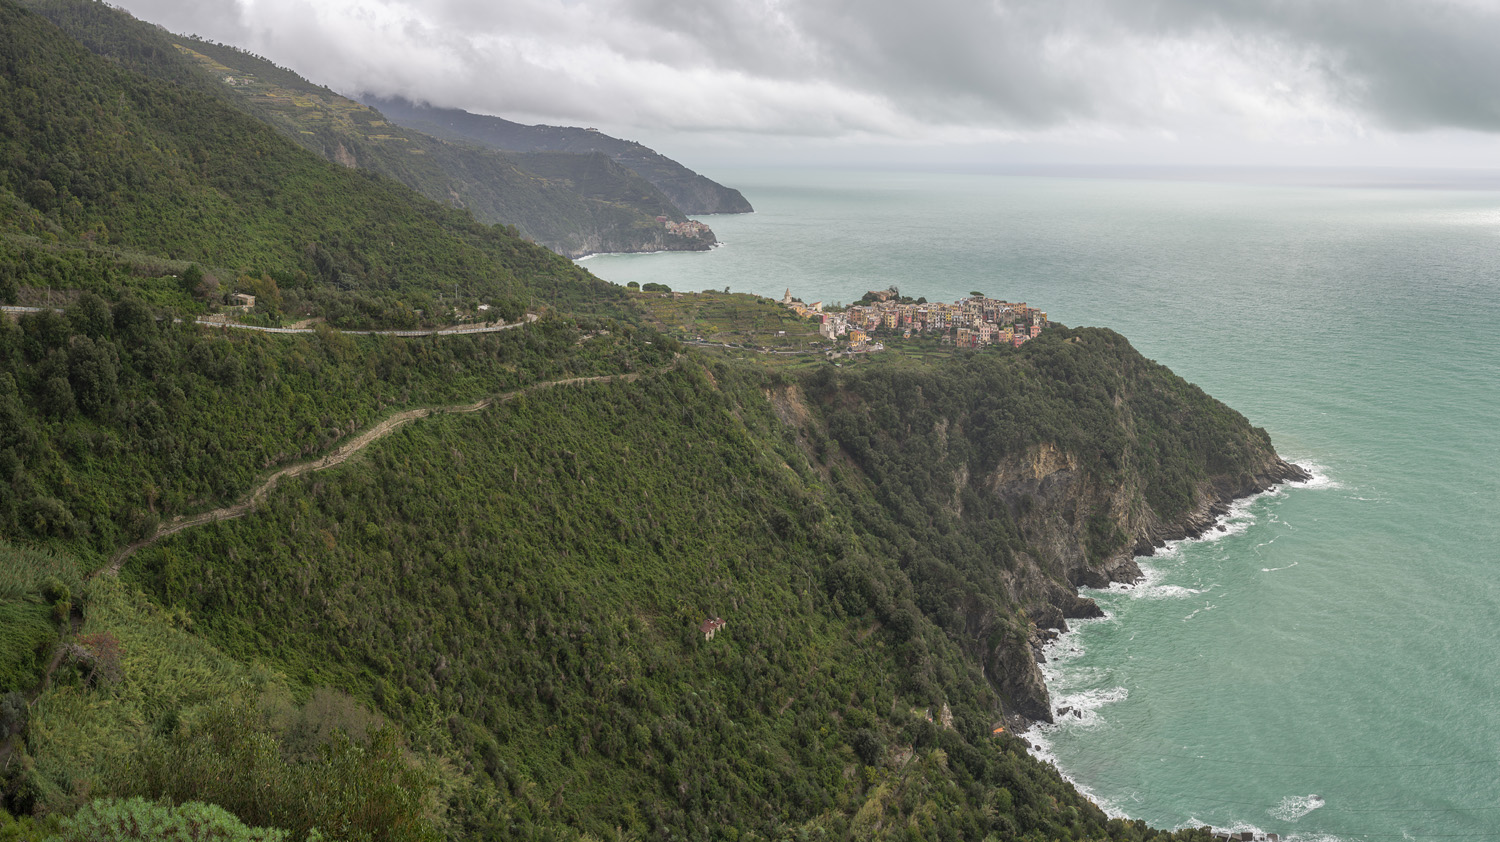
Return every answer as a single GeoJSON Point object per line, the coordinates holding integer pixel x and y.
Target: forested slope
{"type": "Point", "coordinates": [112, 420]}
{"type": "Point", "coordinates": [95, 154]}
{"type": "Point", "coordinates": [494, 186]}
{"type": "Point", "coordinates": [575, 204]}
{"type": "Point", "coordinates": [519, 593]}
{"type": "Point", "coordinates": [691, 192]}
{"type": "Point", "coordinates": [488, 625]}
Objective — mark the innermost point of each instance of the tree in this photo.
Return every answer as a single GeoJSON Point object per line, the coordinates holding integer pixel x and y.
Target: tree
{"type": "Point", "coordinates": [90, 316]}
{"type": "Point", "coordinates": [867, 746]}
{"type": "Point", "coordinates": [190, 278]}
{"type": "Point", "coordinates": [9, 286]}
{"type": "Point", "coordinates": [57, 397]}
{"type": "Point", "coordinates": [264, 288]}
{"type": "Point", "coordinates": [93, 373]}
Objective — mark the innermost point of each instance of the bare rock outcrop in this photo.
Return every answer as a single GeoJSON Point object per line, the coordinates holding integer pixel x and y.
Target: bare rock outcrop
{"type": "Point", "coordinates": [1053, 500]}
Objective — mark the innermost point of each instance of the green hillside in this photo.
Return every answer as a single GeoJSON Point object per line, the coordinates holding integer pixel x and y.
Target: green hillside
{"type": "Point", "coordinates": [495, 187]}
{"type": "Point", "coordinates": [298, 586]}
{"type": "Point", "coordinates": [520, 590]}
{"type": "Point", "coordinates": [98, 155]}
{"type": "Point", "coordinates": [573, 204]}
{"type": "Point", "coordinates": [516, 594]}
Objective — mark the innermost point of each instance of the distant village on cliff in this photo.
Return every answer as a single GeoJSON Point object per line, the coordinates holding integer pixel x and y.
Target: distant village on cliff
{"type": "Point", "coordinates": [973, 322]}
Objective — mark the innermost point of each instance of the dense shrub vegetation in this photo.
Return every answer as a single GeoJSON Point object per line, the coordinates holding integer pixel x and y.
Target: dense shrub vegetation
{"type": "Point", "coordinates": [99, 154]}
{"type": "Point", "coordinates": [580, 536]}
{"type": "Point", "coordinates": [113, 418]}
{"type": "Point", "coordinates": [519, 592]}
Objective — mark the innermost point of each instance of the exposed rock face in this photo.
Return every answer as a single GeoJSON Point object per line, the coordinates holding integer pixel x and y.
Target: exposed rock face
{"type": "Point", "coordinates": [1022, 477]}
{"type": "Point", "coordinates": [1051, 500]}
{"type": "Point", "coordinates": [343, 156]}
{"type": "Point", "coordinates": [597, 241]}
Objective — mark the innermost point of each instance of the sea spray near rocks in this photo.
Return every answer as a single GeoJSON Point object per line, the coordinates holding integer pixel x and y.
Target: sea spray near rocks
{"type": "Point", "coordinates": [1082, 694]}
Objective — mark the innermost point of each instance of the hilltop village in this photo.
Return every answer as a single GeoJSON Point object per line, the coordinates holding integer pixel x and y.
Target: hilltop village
{"type": "Point", "coordinates": [973, 322]}
{"type": "Point", "coordinates": [690, 228]}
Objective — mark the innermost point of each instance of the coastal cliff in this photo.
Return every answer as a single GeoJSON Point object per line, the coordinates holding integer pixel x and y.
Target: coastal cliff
{"type": "Point", "coordinates": [455, 586]}
{"type": "Point", "coordinates": [862, 536]}
{"type": "Point", "coordinates": [1023, 476]}
{"type": "Point", "coordinates": [1045, 492]}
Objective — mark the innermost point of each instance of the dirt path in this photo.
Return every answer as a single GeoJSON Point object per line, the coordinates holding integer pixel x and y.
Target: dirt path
{"type": "Point", "coordinates": [338, 456]}
{"type": "Point", "coordinates": [331, 459]}
{"type": "Point", "coordinates": [59, 650]}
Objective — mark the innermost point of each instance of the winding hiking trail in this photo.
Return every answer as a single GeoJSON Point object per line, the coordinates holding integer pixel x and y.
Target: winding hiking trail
{"type": "Point", "coordinates": [337, 456]}
{"type": "Point", "coordinates": [334, 458]}
{"type": "Point", "coordinates": [221, 320]}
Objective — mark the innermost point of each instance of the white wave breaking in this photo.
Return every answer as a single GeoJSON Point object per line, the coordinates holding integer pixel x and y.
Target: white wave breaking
{"type": "Point", "coordinates": [1040, 746]}
{"type": "Point", "coordinates": [1294, 807]}
{"type": "Point", "coordinates": [1319, 477]}
{"type": "Point", "coordinates": [1081, 709]}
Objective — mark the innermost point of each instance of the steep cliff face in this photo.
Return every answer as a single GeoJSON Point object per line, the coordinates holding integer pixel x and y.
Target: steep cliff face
{"type": "Point", "coordinates": [1056, 506]}
{"type": "Point", "coordinates": [1054, 503]}
{"type": "Point", "coordinates": [600, 239]}
{"type": "Point", "coordinates": [1021, 475]}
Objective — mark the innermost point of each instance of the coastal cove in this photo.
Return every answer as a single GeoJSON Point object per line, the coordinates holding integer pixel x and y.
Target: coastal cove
{"type": "Point", "coordinates": [1336, 638]}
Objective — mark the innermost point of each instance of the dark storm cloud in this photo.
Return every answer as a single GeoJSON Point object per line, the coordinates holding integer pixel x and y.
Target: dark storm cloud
{"type": "Point", "coordinates": [1410, 65]}
{"type": "Point", "coordinates": [939, 58]}
{"type": "Point", "coordinates": [898, 68]}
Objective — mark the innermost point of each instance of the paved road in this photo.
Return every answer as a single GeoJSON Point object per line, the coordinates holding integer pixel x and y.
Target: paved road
{"type": "Point", "coordinates": [440, 331]}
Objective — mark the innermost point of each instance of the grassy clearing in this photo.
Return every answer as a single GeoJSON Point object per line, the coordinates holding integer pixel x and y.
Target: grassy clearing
{"type": "Point", "coordinates": [735, 318]}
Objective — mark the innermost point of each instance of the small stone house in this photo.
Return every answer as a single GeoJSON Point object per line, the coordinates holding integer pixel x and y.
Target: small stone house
{"type": "Point", "coordinates": [709, 627]}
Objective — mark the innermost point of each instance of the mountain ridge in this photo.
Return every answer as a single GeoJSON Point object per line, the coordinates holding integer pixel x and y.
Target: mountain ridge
{"type": "Point", "coordinates": [693, 193]}
{"type": "Point", "coordinates": [620, 211]}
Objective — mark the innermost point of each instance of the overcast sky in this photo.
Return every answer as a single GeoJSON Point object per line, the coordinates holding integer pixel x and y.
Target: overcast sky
{"type": "Point", "coordinates": [1380, 82]}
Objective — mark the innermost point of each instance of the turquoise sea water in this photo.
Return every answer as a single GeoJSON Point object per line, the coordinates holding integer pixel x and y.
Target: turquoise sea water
{"type": "Point", "coordinates": [1340, 639]}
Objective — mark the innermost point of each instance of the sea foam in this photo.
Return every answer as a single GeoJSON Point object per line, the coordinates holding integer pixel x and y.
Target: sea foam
{"type": "Point", "coordinates": [1294, 807]}
{"type": "Point", "coordinates": [1084, 706]}
{"type": "Point", "coordinates": [1319, 477]}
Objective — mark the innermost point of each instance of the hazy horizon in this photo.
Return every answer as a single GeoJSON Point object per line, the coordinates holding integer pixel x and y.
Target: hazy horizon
{"type": "Point", "coordinates": [1005, 83]}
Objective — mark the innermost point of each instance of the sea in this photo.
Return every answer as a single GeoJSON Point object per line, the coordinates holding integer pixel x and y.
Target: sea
{"type": "Point", "coordinates": [1326, 666]}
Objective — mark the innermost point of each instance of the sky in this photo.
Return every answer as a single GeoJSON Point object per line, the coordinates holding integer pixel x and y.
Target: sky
{"type": "Point", "coordinates": [1391, 83]}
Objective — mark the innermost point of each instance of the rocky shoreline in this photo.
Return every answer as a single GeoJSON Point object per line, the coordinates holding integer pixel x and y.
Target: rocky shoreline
{"type": "Point", "coordinates": [1029, 689]}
